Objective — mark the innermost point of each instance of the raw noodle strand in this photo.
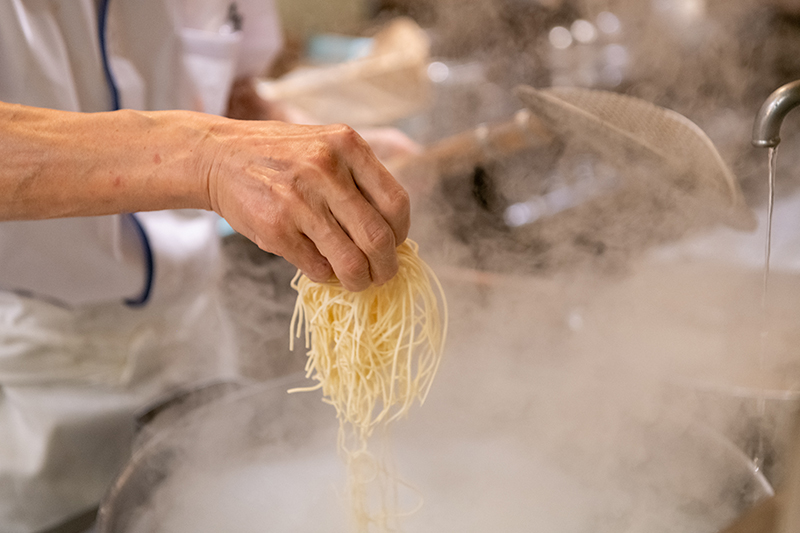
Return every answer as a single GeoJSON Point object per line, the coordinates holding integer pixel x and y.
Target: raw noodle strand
{"type": "Point", "coordinates": [373, 354]}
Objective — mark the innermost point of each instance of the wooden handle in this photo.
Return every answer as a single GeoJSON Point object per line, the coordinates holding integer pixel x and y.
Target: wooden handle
{"type": "Point", "coordinates": [461, 153]}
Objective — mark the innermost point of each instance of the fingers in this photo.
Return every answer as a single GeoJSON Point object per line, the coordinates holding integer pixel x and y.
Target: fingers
{"type": "Point", "coordinates": [350, 265]}
{"type": "Point", "coordinates": [361, 214]}
{"type": "Point", "coordinates": [357, 240]}
{"type": "Point", "coordinates": [330, 230]}
{"type": "Point", "coordinates": [315, 195]}
{"type": "Point", "coordinates": [375, 183]}
{"type": "Point", "coordinates": [303, 254]}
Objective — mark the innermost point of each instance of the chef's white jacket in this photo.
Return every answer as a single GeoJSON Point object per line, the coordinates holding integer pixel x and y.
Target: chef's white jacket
{"type": "Point", "coordinates": [100, 314]}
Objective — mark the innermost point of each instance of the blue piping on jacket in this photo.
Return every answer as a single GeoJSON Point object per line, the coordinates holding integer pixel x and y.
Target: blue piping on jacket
{"type": "Point", "coordinates": [115, 105]}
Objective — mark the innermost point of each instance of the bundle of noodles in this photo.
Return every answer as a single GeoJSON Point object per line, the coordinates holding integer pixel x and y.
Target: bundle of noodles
{"type": "Point", "coordinates": [373, 354]}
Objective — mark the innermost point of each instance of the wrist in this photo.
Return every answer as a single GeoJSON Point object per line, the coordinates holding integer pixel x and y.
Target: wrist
{"type": "Point", "coordinates": [174, 161]}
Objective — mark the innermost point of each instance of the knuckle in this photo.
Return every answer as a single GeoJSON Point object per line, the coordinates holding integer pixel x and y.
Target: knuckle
{"type": "Point", "coordinates": [354, 269]}
{"type": "Point", "coordinates": [348, 138]}
{"type": "Point", "coordinates": [322, 155]}
{"type": "Point", "coordinates": [317, 270]}
{"type": "Point", "coordinates": [325, 229]}
{"type": "Point", "coordinates": [379, 238]}
{"type": "Point", "coordinates": [345, 132]}
{"type": "Point", "coordinates": [399, 204]}
{"type": "Point", "coordinates": [397, 212]}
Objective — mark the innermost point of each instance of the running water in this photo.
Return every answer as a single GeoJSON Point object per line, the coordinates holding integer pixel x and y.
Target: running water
{"type": "Point", "coordinates": [759, 453]}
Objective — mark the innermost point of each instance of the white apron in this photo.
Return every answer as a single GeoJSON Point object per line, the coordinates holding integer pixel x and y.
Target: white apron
{"type": "Point", "coordinates": [76, 360]}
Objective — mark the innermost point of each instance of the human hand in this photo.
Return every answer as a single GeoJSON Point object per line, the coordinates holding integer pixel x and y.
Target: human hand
{"type": "Point", "coordinates": [316, 195]}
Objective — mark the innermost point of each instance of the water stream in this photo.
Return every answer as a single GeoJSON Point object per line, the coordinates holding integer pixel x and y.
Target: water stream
{"type": "Point", "coordinates": [758, 459]}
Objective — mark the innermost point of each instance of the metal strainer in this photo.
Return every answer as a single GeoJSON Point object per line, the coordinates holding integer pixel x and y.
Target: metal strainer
{"type": "Point", "coordinates": [659, 143]}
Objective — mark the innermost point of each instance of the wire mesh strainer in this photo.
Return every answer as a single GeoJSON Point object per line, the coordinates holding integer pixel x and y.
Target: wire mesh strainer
{"type": "Point", "coordinates": [638, 134]}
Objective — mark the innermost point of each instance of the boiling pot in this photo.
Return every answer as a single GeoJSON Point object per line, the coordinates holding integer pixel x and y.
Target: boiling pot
{"type": "Point", "coordinates": [497, 444]}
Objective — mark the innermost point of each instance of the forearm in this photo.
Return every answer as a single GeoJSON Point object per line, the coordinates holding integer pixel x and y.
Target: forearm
{"type": "Point", "coordinates": [316, 195]}
{"type": "Point", "coordinates": [59, 164]}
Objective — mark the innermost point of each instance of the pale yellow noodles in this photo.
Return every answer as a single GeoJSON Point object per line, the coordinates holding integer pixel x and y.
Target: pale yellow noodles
{"type": "Point", "coordinates": [373, 353]}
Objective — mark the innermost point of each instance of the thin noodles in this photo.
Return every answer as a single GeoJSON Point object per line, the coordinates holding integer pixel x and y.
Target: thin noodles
{"type": "Point", "coordinates": [373, 353]}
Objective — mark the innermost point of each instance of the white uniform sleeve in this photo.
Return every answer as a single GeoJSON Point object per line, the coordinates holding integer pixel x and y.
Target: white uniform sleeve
{"type": "Point", "coordinates": [75, 260]}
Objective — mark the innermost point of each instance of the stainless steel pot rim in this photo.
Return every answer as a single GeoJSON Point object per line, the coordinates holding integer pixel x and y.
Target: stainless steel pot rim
{"type": "Point", "coordinates": [141, 454]}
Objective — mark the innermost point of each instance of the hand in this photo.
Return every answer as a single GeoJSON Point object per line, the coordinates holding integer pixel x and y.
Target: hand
{"type": "Point", "coordinates": [315, 195]}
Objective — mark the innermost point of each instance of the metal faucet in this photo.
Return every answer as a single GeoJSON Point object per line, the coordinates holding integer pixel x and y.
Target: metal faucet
{"type": "Point", "coordinates": [767, 127]}
{"type": "Point", "coordinates": [766, 134]}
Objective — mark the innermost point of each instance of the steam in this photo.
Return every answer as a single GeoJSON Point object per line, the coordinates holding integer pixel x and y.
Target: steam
{"type": "Point", "coordinates": [550, 409]}
{"type": "Point", "coordinates": [600, 369]}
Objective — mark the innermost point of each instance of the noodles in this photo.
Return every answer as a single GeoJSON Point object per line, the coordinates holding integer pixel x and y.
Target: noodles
{"type": "Point", "coordinates": [373, 353]}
